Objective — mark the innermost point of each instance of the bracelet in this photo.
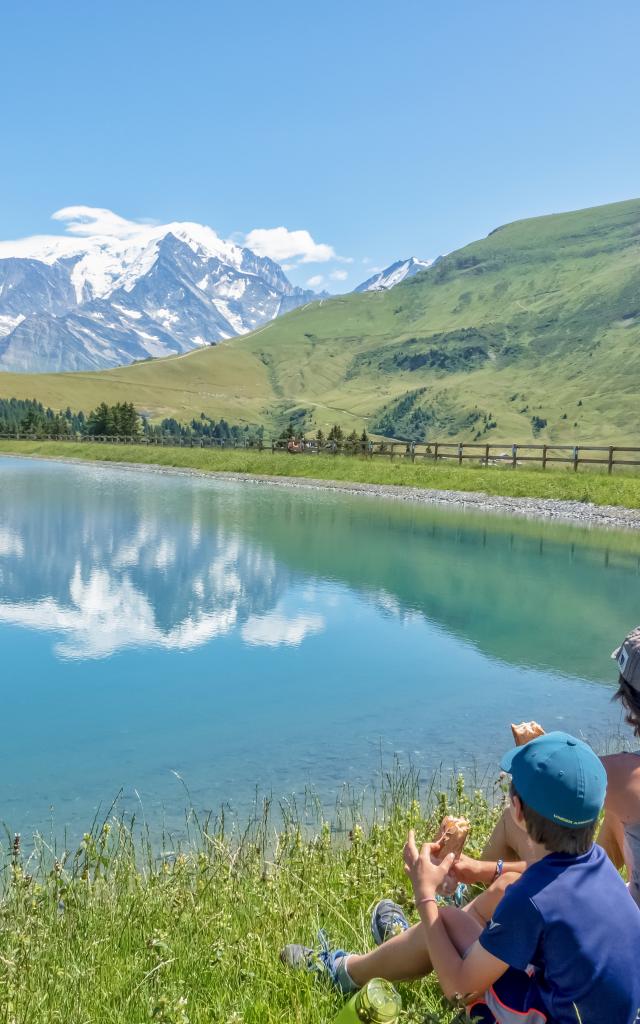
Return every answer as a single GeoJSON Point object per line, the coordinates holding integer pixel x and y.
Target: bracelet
{"type": "Point", "coordinates": [499, 869]}
{"type": "Point", "coordinates": [427, 899]}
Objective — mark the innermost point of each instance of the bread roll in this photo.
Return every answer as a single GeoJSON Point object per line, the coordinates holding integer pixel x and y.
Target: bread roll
{"type": "Point", "coordinates": [525, 732]}
{"type": "Point", "coordinates": [453, 835]}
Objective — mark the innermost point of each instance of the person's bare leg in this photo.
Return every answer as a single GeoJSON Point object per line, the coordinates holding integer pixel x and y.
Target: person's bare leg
{"type": "Point", "coordinates": [497, 846]}
{"type": "Point", "coordinates": [482, 908]}
{"type": "Point", "coordinates": [405, 957]}
{"type": "Point", "coordinates": [402, 958]}
{"type": "Point", "coordinates": [508, 841]}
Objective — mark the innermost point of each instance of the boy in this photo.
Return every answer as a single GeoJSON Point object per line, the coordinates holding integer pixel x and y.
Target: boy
{"type": "Point", "coordinates": [563, 943]}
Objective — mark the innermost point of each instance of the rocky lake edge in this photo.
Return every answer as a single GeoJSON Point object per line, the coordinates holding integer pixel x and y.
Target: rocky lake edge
{"type": "Point", "coordinates": [548, 509]}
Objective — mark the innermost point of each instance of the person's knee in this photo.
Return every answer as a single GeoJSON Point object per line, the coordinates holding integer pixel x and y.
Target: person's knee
{"type": "Point", "coordinates": [462, 928]}
{"type": "Point", "coordinates": [497, 844]}
{"type": "Point", "coordinates": [484, 905]}
{"type": "Point", "coordinates": [502, 883]}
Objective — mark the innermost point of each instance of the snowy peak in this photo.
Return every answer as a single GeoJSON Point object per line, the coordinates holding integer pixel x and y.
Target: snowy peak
{"type": "Point", "coordinates": [393, 275]}
{"type": "Point", "coordinates": [102, 263]}
{"type": "Point", "coordinates": [130, 291]}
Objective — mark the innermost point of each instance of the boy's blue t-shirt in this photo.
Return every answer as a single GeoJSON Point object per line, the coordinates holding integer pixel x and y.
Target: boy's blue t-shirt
{"type": "Point", "coordinates": [573, 920]}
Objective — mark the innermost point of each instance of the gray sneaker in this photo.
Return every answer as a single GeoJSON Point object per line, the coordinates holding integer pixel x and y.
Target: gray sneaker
{"type": "Point", "coordinates": [387, 920]}
{"type": "Point", "coordinates": [326, 961]}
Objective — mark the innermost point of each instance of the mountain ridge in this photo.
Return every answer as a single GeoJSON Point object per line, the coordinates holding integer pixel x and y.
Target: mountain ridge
{"type": "Point", "coordinates": [532, 332]}
{"type": "Point", "coordinates": [394, 274]}
{"type": "Point", "coordinates": [103, 301]}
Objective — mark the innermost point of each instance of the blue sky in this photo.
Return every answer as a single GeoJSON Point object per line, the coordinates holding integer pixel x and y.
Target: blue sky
{"type": "Point", "coordinates": [383, 130]}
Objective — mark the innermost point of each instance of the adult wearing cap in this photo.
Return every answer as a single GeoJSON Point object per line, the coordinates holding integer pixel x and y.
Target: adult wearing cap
{"type": "Point", "coordinates": [620, 834]}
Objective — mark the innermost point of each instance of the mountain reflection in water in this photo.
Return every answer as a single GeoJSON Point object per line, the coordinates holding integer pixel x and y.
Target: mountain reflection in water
{"type": "Point", "coordinates": [243, 634]}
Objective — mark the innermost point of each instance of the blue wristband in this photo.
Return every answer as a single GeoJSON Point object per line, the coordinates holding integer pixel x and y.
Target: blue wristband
{"type": "Point", "coordinates": [499, 868]}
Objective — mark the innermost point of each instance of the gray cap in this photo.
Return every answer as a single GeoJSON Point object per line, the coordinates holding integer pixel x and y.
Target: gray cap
{"type": "Point", "coordinates": [628, 659]}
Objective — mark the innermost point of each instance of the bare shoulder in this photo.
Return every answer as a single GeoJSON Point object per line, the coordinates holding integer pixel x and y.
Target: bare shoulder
{"type": "Point", "coordinates": [623, 785]}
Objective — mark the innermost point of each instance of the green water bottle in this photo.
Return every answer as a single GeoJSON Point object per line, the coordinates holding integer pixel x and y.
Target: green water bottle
{"type": "Point", "coordinates": [376, 1003]}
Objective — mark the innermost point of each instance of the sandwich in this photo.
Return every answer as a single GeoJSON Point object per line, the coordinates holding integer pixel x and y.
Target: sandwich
{"type": "Point", "coordinates": [453, 835]}
{"type": "Point", "coordinates": [525, 732]}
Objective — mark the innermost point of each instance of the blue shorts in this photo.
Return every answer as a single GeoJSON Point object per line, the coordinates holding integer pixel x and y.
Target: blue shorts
{"type": "Point", "coordinates": [509, 1001]}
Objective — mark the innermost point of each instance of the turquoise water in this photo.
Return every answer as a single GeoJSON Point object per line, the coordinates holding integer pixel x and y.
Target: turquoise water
{"type": "Point", "coordinates": [246, 637]}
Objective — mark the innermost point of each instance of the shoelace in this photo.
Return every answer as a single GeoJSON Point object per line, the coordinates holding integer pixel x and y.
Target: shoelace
{"type": "Point", "coordinates": [325, 948]}
{"type": "Point", "coordinates": [395, 922]}
{"type": "Point", "coordinates": [326, 955]}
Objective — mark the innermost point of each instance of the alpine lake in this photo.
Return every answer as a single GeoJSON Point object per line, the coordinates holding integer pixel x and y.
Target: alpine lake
{"type": "Point", "coordinates": [170, 640]}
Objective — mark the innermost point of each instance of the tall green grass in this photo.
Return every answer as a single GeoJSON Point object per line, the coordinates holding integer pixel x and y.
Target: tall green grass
{"type": "Point", "coordinates": [124, 930]}
{"type": "Point", "coordinates": [622, 488]}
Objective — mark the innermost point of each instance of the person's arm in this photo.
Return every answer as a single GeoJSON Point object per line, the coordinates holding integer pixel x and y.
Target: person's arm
{"type": "Point", "coordinates": [484, 872]}
{"type": "Point", "coordinates": [608, 839]}
{"type": "Point", "coordinates": [621, 803]}
{"type": "Point", "coordinates": [479, 969]}
{"type": "Point", "coordinates": [457, 976]}
{"type": "Point", "coordinates": [622, 770]}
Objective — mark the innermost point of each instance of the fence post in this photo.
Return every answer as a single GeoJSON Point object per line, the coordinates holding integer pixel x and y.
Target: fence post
{"type": "Point", "coordinates": [435, 452]}
{"type": "Point", "coordinates": [413, 451]}
{"type": "Point", "coordinates": [486, 454]}
{"type": "Point", "coordinates": [514, 456]}
{"type": "Point", "coordinates": [610, 462]}
{"type": "Point", "coordinates": [544, 456]}
{"type": "Point", "coordinates": [392, 451]}
{"type": "Point", "coordinates": [575, 459]}
{"type": "Point", "coordinates": [460, 454]}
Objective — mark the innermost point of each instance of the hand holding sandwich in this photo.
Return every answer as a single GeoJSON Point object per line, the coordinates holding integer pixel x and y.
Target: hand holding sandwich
{"type": "Point", "coordinates": [425, 868]}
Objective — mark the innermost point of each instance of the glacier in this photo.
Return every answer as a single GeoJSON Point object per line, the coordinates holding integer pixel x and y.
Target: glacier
{"type": "Point", "coordinates": [394, 274]}
{"type": "Point", "coordinates": [92, 301]}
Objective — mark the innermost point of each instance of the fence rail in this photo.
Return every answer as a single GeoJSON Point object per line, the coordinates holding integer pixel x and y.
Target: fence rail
{"type": "Point", "coordinates": [486, 454]}
{"type": "Point", "coordinates": [168, 440]}
{"type": "Point", "coordinates": [433, 451]}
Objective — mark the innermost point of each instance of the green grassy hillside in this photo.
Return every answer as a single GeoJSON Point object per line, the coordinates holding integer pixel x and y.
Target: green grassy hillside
{"type": "Point", "coordinates": [532, 331]}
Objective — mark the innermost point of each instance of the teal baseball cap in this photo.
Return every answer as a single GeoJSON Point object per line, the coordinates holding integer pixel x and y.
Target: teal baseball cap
{"type": "Point", "coordinates": [560, 777]}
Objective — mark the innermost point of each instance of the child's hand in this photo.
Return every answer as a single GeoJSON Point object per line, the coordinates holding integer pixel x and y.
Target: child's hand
{"type": "Point", "coordinates": [426, 871]}
{"type": "Point", "coordinates": [466, 869]}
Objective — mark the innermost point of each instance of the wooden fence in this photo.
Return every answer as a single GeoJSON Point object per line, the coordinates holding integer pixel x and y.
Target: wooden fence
{"type": "Point", "coordinates": [486, 454]}
{"type": "Point", "coordinates": [512, 455]}
{"type": "Point", "coordinates": [168, 440]}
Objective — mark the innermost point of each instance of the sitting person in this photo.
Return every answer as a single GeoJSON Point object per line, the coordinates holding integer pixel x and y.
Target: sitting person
{"type": "Point", "coordinates": [507, 848]}
{"type": "Point", "coordinates": [562, 944]}
{"type": "Point", "coordinates": [620, 834]}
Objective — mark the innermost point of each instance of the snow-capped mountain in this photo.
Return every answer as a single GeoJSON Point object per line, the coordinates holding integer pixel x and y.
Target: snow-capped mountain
{"type": "Point", "coordinates": [393, 275]}
{"type": "Point", "coordinates": [107, 299]}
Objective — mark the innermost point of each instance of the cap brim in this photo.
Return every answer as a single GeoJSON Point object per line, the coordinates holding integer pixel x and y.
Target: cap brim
{"type": "Point", "coordinates": [614, 654]}
{"type": "Point", "coordinates": [507, 760]}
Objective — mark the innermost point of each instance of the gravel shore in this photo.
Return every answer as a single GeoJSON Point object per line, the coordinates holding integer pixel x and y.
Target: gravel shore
{"type": "Point", "coordinates": [576, 512]}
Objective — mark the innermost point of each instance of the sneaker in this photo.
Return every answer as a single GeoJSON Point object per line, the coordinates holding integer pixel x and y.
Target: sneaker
{"type": "Point", "coordinates": [458, 898]}
{"type": "Point", "coordinates": [325, 961]}
{"type": "Point", "coordinates": [387, 920]}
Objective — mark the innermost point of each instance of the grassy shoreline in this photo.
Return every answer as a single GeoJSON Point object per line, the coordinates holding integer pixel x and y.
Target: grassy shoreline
{"type": "Point", "coordinates": [621, 489]}
{"type": "Point", "coordinates": [119, 933]}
